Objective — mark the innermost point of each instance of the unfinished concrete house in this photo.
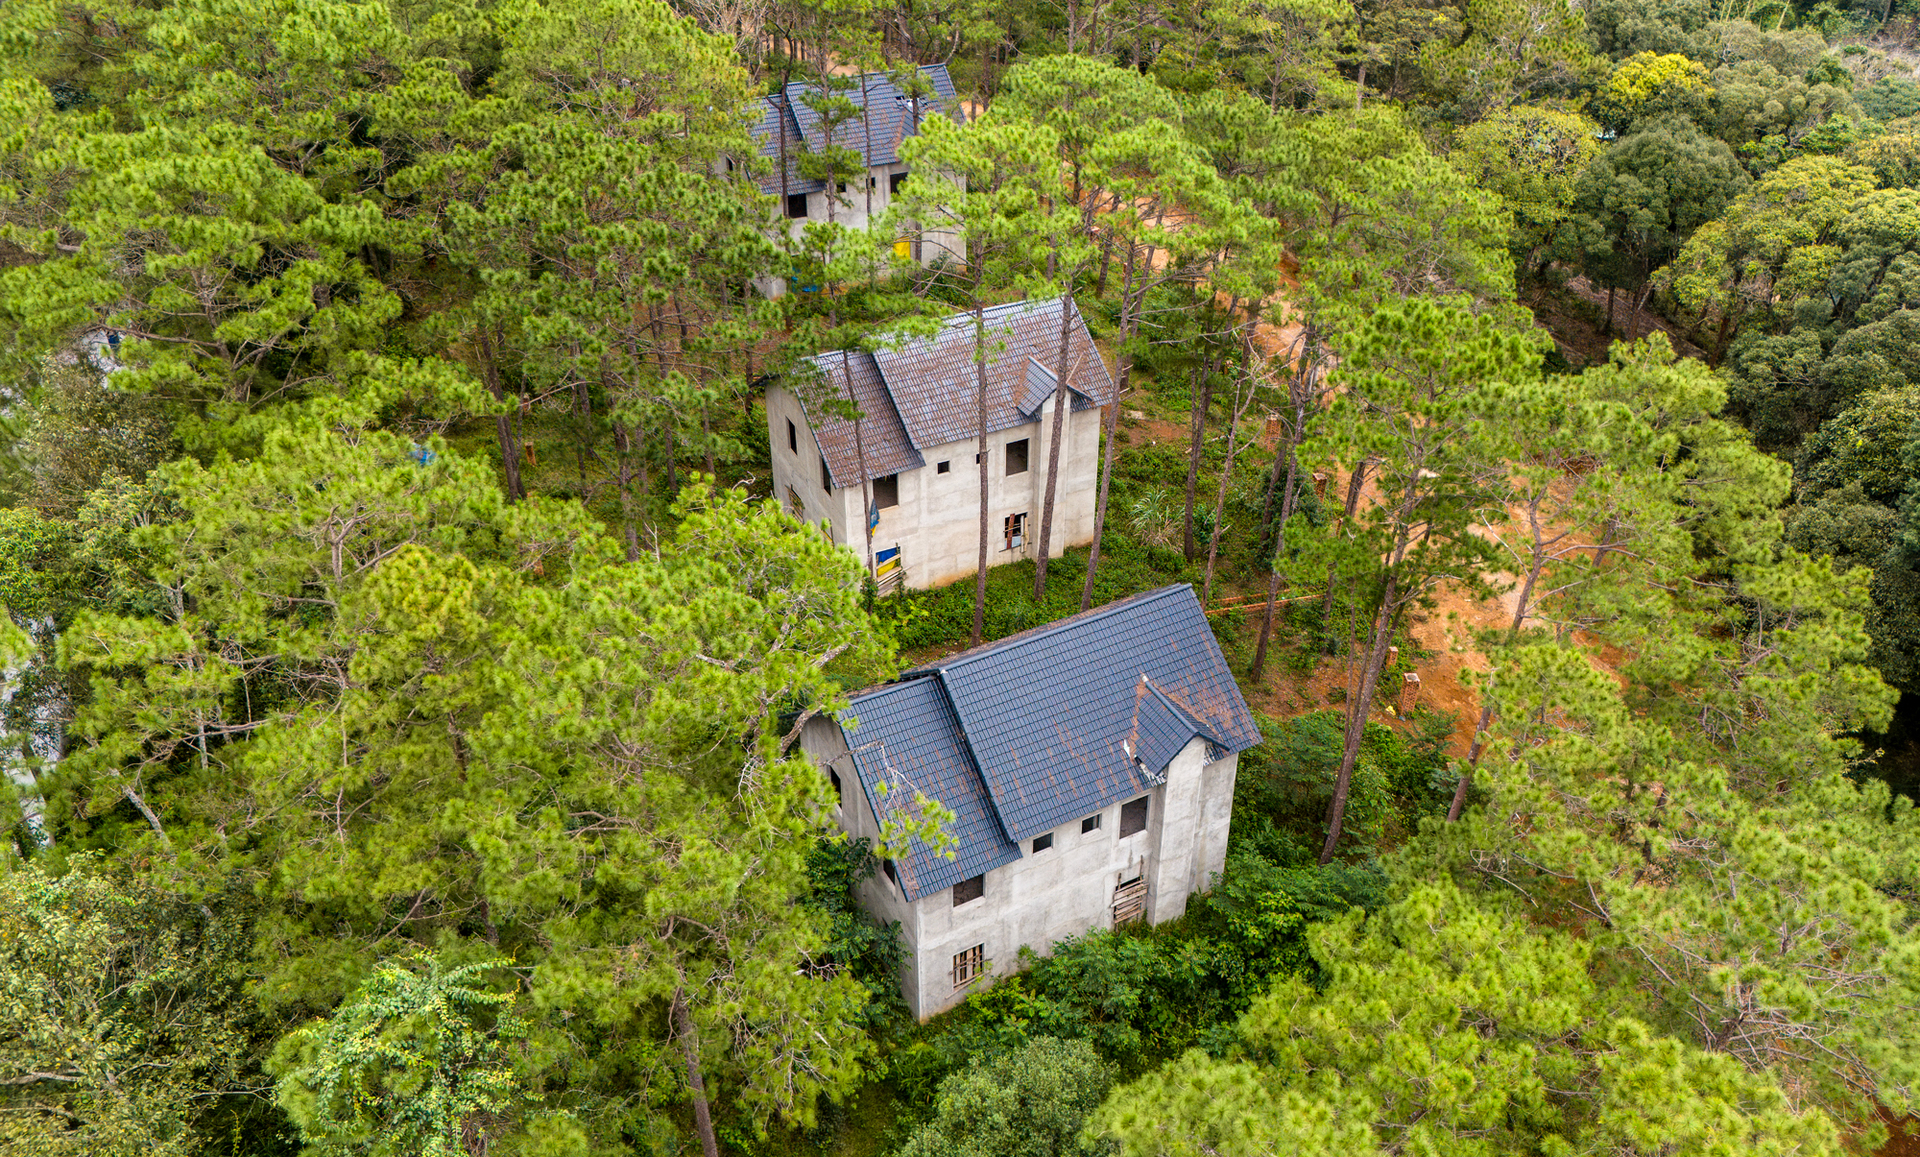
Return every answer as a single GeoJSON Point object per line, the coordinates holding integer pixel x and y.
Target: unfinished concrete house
{"type": "Point", "coordinates": [789, 128]}
{"type": "Point", "coordinates": [1089, 765]}
{"type": "Point", "coordinates": [910, 472]}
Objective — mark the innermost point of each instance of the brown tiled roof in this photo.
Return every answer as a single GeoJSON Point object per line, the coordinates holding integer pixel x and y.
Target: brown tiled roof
{"type": "Point", "coordinates": [924, 394]}
{"type": "Point", "coordinates": [888, 449]}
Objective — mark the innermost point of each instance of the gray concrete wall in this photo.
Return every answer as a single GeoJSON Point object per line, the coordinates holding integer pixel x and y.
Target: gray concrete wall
{"type": "Point", "coordinates": [936, 525]}
{"type": "Point", "coordinates": [1068, 889]}
{"type": "Point", "coordinates": [825, 744]}
{"type": "Point", "coordinates": [1045, 896]}
{"type": "Point", "coordinates": [796, 475]}
{"type": "Point", "coordinates": [851, 209]}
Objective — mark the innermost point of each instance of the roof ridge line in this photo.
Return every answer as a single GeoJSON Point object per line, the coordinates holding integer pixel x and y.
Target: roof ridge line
{"type": "Point", "coordinates": [991, 792]}
{"type": "Point", "coordinates": [1031, 633]}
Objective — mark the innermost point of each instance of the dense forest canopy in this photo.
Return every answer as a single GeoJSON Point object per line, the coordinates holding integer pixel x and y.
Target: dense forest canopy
{"type": "Point", "coordinates": [406, 654]}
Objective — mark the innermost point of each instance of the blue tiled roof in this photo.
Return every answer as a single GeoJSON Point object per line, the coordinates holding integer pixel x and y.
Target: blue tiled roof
{"type": "Point", "coordinates": [1027, 733]}
{"type": "Point", "coordinates": [886, 118]}
{"type": "Point", "coordinates": [905, 736]}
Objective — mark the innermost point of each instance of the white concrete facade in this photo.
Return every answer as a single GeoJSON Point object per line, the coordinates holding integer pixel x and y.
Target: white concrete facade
{"type": "Point", "coordinates": [858, 208]}
{"type": "Point", "coordinates": [1044, 896]}
{"type": "Point", "coordinates": [936, 524]}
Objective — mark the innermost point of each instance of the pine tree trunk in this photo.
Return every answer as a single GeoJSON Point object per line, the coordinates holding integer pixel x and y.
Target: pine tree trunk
{"type": "Point", "coordinates": [623, 454]}
{"type": "Point", "coordinates": [1513, 632]}
{"type": "Point", "coordinates": [1106, 467]}
{"type": "Point", "coordinates": [1354, 482]}
{"type": "Point", "coordinates": [1061, 405]}
{"type": "Point", "coordinates": [1358, 709]}
{"type": "Point", "coordinates": [696, 1082]}
{"type": "Point", "coordinates": [860, 455]}
{"type": "Point", "coordinates": [1202, 395]}
{"type": "Point", "coordinates": [980, 386]}
{"type": "Point", "coordinates": [1259, 671]}
{"type": "Point", "coordinates": [502, 422]}
{"type": "Point", "coordinates": [1219, 512]}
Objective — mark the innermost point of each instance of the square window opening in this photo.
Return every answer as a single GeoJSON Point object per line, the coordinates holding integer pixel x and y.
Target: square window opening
{"type": "Point", "coordinates": [793, 436]}
{"type": "Point", "coordinates": [886, 491]}
{"type": "Point", "coordinates": [894, 184]}
{"type": "Point", "coordinates": [1090, 824]}
{"type": "Point", "coordinates": [796, 206]}
{"type": "Point", "coordinates": [1016, 531]}
{"type": "Point", "coordinates": [1017, 457]}
{"type": "Point", "coordinates": [967, 891]}
{"type": "Point", "coordinates": [1133, 817]}
{"type": "Point", "coordinates": [969, 966]}
{"type": "Point", "coordinates": [1042, 843]}
{"type": "Point", "coordinates": [943, 467]}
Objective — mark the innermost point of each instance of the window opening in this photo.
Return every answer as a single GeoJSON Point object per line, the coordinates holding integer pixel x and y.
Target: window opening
{"type": "Point", "coordinates": [886, 491]}
{"type": "Point", "coordinates": [1042, 843]}
{"type": "Point", "coordinates": [1130, 901]}
{"type": "Point", "coordinates": [1133, 817]}
{"type": "Point", "coordinates": [796, 206]}
{"type": "Point", "coordinates": [793, 437]}
{"type": "Point", "coordinates": [969, 966]}
{"type": "Point", "coordinates": [895, 182]}
{"type": "Point", "coordinates": [1017, 457]}
{"type": "Point", "coordinates": [839, 797]}
{"type": "Point", "coordinates": [826, 476]}
{"type": "Point", "coordinates": [1090, 824]}
{"type": "Point", "coordinates": [942, 467]}
{"type": "Point", "coordinates": [967, 891]}
{"type": "Point", "coordinates": [1016, 531]}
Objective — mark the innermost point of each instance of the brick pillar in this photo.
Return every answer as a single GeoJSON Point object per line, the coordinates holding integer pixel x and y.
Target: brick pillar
{"type": "Point", "coordinates": [1409, 692]}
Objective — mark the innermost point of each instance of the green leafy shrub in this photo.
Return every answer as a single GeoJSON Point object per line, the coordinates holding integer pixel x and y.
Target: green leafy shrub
{"type": "Point", "coordinates": [868, 949]}
{"type": "Point", "coordinates": [1027, 1102]}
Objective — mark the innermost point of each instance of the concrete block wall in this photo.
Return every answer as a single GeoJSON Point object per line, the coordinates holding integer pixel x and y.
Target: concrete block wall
{"type": "Point", "coordinates": [1046, 896]}
{"type": "Point", "coordinates": [936, 524]}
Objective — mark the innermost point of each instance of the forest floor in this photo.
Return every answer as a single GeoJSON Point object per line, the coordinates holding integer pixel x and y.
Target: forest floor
{"type": "Point", "coordinates": [1576, 319]}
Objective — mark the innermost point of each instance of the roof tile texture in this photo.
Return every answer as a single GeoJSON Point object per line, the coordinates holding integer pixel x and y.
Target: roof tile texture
{"type": "Point", "coordinates": [1032, 731]}
{"type": "Point", "coordinates": [884, 117]}
{"type": "Point", "coordinates": [925, 394]}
